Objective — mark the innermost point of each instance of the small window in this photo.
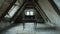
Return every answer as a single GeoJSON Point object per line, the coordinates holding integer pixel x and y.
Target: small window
{"type": "Point", "coordinates": [12, 11]}
{"type": "Point", "coordinates": [29, 12]}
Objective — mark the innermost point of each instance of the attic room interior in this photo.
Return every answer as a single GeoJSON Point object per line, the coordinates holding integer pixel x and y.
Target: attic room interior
{"type": "Point", "coordinates": [29, 16]}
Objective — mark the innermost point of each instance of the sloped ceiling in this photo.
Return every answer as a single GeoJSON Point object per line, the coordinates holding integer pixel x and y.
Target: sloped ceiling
{"type": "Point", "coordinates": [49, 11]}
{"type": "Point", "coordinates": [6, 4]}
{"type": "Point", "coordinates": [57, 3]}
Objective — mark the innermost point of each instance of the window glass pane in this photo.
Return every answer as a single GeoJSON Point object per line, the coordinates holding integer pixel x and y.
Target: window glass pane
{"type": "Point", "coordinates": [31, 12]}
{"type": "Point", "coordinates": [27, 13]}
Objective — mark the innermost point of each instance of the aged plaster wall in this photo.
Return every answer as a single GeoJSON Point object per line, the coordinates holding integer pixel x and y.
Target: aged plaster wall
{"type": "Point", "coordinates": [57, 3]}
{"type": "Point", "coordinates": [49, 11]}
{"type": "Point", "coordinates": [1, 1]}
{"type": "Point", "coordinates": [4, 6]}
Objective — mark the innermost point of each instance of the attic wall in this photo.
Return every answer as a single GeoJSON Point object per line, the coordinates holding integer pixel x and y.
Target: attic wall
{"type": "Point", "coordinates": [57, 3]}
{"type": "Point", "coordinates": [1, 1]}
{"type": "Point", "coordinates": [50, 12]}
{"type": "Point", "coordinates": [4, 6]}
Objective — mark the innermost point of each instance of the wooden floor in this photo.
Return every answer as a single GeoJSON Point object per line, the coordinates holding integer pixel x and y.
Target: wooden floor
{"type": "Point", "coordinates": [30, 29]}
